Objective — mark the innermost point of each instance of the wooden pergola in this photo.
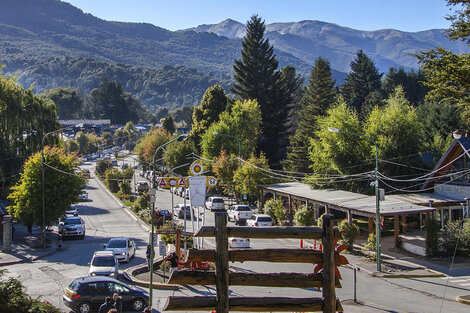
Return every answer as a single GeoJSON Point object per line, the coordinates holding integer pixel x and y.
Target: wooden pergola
{"type": "Point", "coordinates": [348, 202]}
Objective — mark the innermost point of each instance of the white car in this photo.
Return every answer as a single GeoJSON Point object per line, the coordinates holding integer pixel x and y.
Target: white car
{"type": "Point", "coordinates": [73, 210]}
{"type": "Point", "coordinates": [237, 242]}
{"type": "Point", "coordinates": [70, 225]}
{"type": "Point", "coordinates": [103, 263]}
{"type": "Point", "coordinates": [257, 220]}
{"type": "Point", "coordinates": [239, 213]}
{"type": "Point", "coordinates": [123, 248]}
{"type": "Point", "coordinates": [215, 203]}
{"type": "Point", "coordinates": [84, 196]}
{"type": "Point", "coordinates": [180, 210]}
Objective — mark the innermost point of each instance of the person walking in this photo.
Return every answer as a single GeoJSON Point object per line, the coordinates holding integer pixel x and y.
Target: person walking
{"type": "Point", "coordinates": [106, 306]}
{"type": "Point", "coordinates": [117, 302]}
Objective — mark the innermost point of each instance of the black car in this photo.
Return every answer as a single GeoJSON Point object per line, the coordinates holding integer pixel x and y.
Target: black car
{"type": "Point", "coordinates": [86, 294]}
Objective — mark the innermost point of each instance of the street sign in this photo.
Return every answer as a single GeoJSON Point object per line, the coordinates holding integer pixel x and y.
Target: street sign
{"type": "Point", "coordinates": [155, 239]}
{"type": "Point", "coordinates": [162, 248]}
{"type": "Point", "coordinates": [211, 181]}
{"type": "Point", "coordinates": [164, 212]}
{"type": "Point", "coordinates": [170, 182]}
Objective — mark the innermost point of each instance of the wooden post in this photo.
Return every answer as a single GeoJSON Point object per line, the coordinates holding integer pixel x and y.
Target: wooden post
{"type": "Point", "coordinates": [329, 293]}
{"type": "Point", "coordinates": [178, 243]}
{"type": "Point", "coordinates": [396, 228]}
{"type": "Point", "coordinates": [442, 218]}
{"type": "Point", "coordinates": [350, 219]}
{"type": "Point", "coordinates": [221, 262]}
{"type": "Point", "coordinates": [327, 209]}
{"type": "Point", "coordinates": [403, 221]}
{"type": "Point", "coordinates": [371, 225]}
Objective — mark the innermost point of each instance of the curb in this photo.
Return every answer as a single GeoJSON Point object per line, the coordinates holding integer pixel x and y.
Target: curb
{"type": "Point", "coordinates": [119, 202]}
{"type": "Point", "coordinates": [463, 299]}
{"type": "Point", "coordinates": [432, 273]}
{"type": "Point", "coordinates": [129, 275]}
{"type": "Point", "coordinates": [27, 259]}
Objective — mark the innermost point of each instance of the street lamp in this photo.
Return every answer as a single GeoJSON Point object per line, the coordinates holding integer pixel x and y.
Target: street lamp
{"type": "Point", "coordinates": [154, 162]}
{"type": "Point", "coordinates": [377, 193]}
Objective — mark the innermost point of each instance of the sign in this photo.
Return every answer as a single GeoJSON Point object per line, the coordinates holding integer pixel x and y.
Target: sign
{"type": "Point", "coordinates": [164, 212]}
{"type": "Point", "coordinates": [162, 248]}
{"type": "Point", "coordinates": [196, 168]}
{"type": "Point", "coordinates": [171, 182]}
{"type": "Point", "coordinates": [155, 239]}
{"type": "Point", "coordinates": [197, 190]}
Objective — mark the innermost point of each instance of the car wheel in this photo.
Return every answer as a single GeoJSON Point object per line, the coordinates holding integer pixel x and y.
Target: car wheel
{"type": "Point", "coordinates": [84, 307]}
{"type": "Point", "coordinates": [138, 304]}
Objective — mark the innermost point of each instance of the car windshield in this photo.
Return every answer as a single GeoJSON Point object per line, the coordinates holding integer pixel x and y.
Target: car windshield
{"type": "Point", "coordinates": [243, 208]}
{"type": "Point", "coordinates": [264, 219]}
{"type": "Point", "coordinates": [74, 285]}
{"type": "Point", "coordinates": [218, 200]}
{"type": "Point", "coordinates": [103, 261]}
{"type": "Point", "coordinates": [116, 244]}
{"type": "Point", "coordinates": [74, 221]}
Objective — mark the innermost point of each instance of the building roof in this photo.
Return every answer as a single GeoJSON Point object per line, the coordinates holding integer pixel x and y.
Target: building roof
{"type": "Point", "coordinates": [345, 201]}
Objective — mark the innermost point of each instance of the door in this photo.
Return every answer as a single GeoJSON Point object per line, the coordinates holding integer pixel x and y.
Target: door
{"type": "Point", "coordinates": [96, 294]}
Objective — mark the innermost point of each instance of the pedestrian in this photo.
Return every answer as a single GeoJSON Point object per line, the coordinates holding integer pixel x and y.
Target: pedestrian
{"type": "Point", "coordinates": [147, 253]}
{"type": "Point", "coordinates": [106, 306]}
{"type": "Point", "coordinates": [117, 301]}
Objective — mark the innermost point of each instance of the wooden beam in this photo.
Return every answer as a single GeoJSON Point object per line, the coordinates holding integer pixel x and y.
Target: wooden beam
{"type": "Point", "coordinates": [307, 232]}
{"type": "Point", "coordinates": [328, 281]}
{"type": "Point", "coordinates": [221, 262]}
{"type": "Point", "coordinates": [261, 255]}
{"type": "Point", "coordinates": [371, 225]}
{"type": "Point", "coordinates": [294, 280]}
{"type": "Point", "coordinates": [245, 304]}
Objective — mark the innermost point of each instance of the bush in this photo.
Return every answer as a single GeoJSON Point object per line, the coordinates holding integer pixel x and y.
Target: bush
{"type": "Point", "coordinates": [144, 215]}
{"type": "Point", "coordinates": [454, 232]}
{"type": "Point", "coordinates": [142, 202]}
{"type": "Point", "coordinates": [102, 166]}
{"type": "Point", "coordinates": [275, 209]}
{"type": "Point", "coordinates": [112, 179]}
{"type": "Point", "coordinates": [371, 246]}
{"type": "Point", "coordinates": [304, 217]}
{"type": "Point", "coordinates": [125, 187]}
{"type": "Point", "coordinates": [350, 233]}
{"type": "Point", "coordinates": [432, 236]}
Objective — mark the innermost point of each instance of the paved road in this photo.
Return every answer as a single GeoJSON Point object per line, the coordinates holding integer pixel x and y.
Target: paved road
{"type": "Point", "coordinates": [106, 219]}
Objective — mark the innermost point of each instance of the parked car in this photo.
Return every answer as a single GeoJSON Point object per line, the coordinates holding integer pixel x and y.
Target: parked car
{"type": "Point", "coordinates": [86, 294]}
{"type": "Point", "coordinates": [72, 226]}
{"type": "Point", "coordinates": [236, 242]}
{"type": "Point", "coordinates": [73, 210]}
{"type": "Point", "coordinates": [123, 248]}
{"type": "Point", "coordinates": [87, 173]}
{"type": "Point", "coordinates": [83, 196]}
{"type": "Point", "coordinates": [259, 220]}
{"type": "Point", "coordinates": [215, 203]}
{"type": "Point", "coordinates": [239, 213]}
{"type": "Point", "coordinates": [180, 210]}
{"type": "Point", "coordinates": [103, 263]}
{"type": "Point", "coordinates": [142, 186]}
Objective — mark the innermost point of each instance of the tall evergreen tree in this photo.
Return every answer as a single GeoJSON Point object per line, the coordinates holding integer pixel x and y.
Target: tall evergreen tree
{"type": "Point", "coordinates": [363, 79]}
{"type": "Point", "coordinates": [292, 85]}
{"type": "Point", "coordinates": [257, 77]}
{"type": "Point", "coordinates": [412, 83]}
{"type": "Point", "coordinates": [318, 96]}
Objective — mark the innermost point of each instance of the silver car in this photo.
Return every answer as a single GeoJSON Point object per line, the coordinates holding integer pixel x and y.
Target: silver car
{"type": "Point", "coordinates": [70, 225]}
{"type": "Point", "coordinates": [104, 263]}
{"type": "Point", "coordinates": [123, 248]}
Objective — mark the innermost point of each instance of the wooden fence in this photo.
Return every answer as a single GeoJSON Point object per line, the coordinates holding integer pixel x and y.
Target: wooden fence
{"type": "Point", "coordinates": [222, 277]}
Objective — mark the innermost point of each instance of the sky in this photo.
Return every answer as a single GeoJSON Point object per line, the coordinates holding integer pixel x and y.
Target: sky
{"type": "Point", "coordinates": [405, 15]}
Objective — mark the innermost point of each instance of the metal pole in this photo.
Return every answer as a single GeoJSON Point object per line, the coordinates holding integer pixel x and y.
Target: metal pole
{"type": "Point", "coordinates": [355, 298]}
{"type": "Point", "coordinates": [172, 211]}
{"type": "Point", "coordinates": [152, 251]}
{"type": "Point", "coordinates": [377, 207]}
{"type": "Point", "coordinates": [43, 233]}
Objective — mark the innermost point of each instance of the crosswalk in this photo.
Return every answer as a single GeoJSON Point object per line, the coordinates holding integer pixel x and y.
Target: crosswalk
{"type": "Point", "coordinates": [463, 281]}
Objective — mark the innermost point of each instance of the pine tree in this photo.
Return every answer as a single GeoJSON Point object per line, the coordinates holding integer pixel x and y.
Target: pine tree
{"type": "Point", "coordinates": [256, 77]}
{"type": "Point", "coordinates": [363, 79]}
{"type": "Point", "coordinates": [318, 96]}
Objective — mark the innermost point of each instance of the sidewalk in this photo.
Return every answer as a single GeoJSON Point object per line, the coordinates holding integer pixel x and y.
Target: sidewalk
{"type": "Point", "coordinates": [26, 247]}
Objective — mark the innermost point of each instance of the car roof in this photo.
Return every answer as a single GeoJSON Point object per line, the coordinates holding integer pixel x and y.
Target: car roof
{"type": "Point", "coordinates": [119, 238]}
{"type": "Point", "coordinates": [262, 215]}
{"type": "Point", "coordinates": [71, 217]}
{"type": "Point", "coordinates": [104, 252]}
{"type": "Point", "coordinates": [237, 205]}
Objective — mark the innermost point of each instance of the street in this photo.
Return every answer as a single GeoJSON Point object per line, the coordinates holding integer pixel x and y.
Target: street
{"type": "Point", "coordinates": [105, 219]}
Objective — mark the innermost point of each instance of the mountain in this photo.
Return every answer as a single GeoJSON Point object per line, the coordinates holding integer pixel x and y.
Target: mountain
{"type": "Point", "coordinates": [308, 40]}
{"type": "Point", "coordinates": [52, 43]}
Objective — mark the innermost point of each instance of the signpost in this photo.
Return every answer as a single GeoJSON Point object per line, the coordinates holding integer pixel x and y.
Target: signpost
{"type": "Point", "coordinates": [162, 248]}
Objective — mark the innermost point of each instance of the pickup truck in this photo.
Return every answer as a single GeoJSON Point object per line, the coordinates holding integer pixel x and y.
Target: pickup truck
{"type": "Point", "coordinates": [239, 213]}
{"type": "Point", "coordinates": [215, 203]}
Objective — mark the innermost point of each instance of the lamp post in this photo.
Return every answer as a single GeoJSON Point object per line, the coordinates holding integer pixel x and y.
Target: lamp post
{"type": "Point", "coordinates": [154, 162]}
{"type": "Point", "coordinates": [377, 193]}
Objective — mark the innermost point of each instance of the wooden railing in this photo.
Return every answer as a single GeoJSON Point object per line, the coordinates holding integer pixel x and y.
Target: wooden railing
{"type": "Point", "coordinates": [222, 277]}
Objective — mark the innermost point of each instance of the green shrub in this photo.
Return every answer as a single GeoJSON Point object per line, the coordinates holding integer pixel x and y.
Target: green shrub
{"type": "Point", "coordinates": [456, 232]}
{"type": "Point", "coordinates": [125, 187]}
{"type": "Point", "coordinates": [432, 236]}
{"type": "Point", "coordinates": [142, 202]}
{"type": "Point", "coordinates": [304, 217]}
{"type": "Point", "coordinates": [275, 209]}
{"type": "Point", "coordinates": [350, 233]}
{"type": "Point", "coordinates": [370, 246]}
{"type": "Point", "coordinates": [102, 166]}
{"type": "Point", "coordinates": [112, 179]}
